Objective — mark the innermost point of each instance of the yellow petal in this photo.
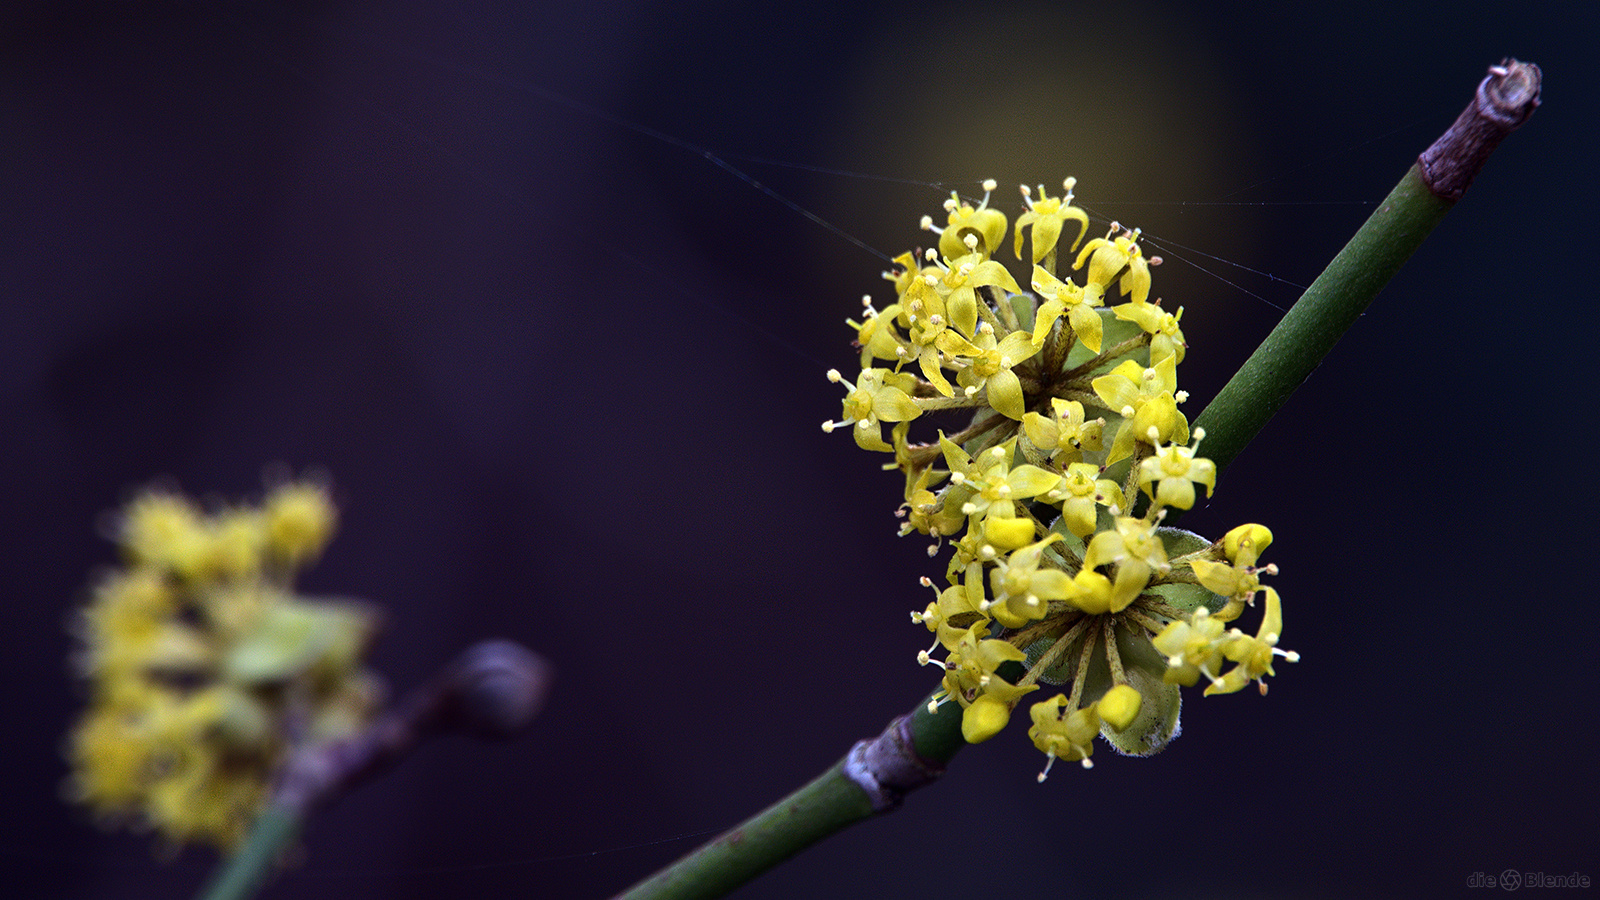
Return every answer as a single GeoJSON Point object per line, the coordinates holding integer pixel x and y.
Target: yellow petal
{"type": "Point", "coordinates": [1119, 706]}
{"type": "Point", "coordinates": [984, 719]}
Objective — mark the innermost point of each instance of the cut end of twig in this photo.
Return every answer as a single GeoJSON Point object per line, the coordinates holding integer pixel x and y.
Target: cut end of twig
{"type": "Point", "coordinates": [1504, 100]}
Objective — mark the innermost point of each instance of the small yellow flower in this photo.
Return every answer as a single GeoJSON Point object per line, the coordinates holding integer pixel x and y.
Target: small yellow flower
{"type": "Point", "coordinates": [1169, 476]}
{"type": "Point", "coordinates": [1254, 655]}
{"type": "Point", "coordinates": [1118, 260]}
{"type": "Point", "coordinates": [1244, 545]}
{"type": "Point", "coordinates": [1192, 648]}
{"type": "Point", "coordinates": [1046, 216]}
{"type": "Point", "coordinates": [1166, 338]}
{"type": "Point", "coordinates": [1065, 296]}
{"type": "Point", "coordinates": [1065, 434]}
{"type": "Point", "coordinates": [987, 699]}
{"type": "Point", "coordinates": [996, 484]}
{"type": "Point", "coordinates": [1082, 494]}
{"type": "Point", "coordinates": [1023, 588]}
{"type": "Point", "coordinates": [876, 336]}
{"type": "Point", "coordinates": [1146, 398]}
{"type": "Point", "coordinates": [877, 396]}
{"type": "Point", "coordinates": [925, 320]}
{"type": "Point", "coordinates": [988, 368]}
{"type": "Point", "coordinates": [953, 610]}
{"type": "Point", "coordinates": [984, 227]}
{"type": "Point", "coordinates": [1061, 734]}
{"type": "Point", "coordinates": [1138, 553]}
{"type": "Point", "coordinates": [959, 288]}
{"type": "Point", "coordinates": [165, 532]}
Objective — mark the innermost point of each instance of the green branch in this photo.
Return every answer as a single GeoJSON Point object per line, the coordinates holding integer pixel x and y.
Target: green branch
{"type": "Point", "coordinates": [875, 775]}
{"type": "Point", "coordinates": [1342, 292]}
{"type": "Point", "coordinates": [871, 779]}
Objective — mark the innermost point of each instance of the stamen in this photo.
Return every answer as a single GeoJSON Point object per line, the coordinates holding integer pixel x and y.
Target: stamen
{"type": "Point", "coordinates": [1052, 754]}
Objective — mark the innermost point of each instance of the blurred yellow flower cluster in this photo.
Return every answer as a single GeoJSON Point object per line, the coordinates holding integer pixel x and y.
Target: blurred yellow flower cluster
{"type": "Point", "coordinates": [1052, 484]}
{"type": "Point", "coordinates": [204, 669]}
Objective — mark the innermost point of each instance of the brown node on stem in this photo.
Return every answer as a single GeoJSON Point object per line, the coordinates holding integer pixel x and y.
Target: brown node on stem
{"type": "Point", "coordinates": [1504, 100]}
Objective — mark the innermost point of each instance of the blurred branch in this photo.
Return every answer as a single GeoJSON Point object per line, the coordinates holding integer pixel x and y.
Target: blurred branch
{"type": "Point", "coordinates": [1503, 101]}
{"type": "Point", "coordinates": [492, 690]}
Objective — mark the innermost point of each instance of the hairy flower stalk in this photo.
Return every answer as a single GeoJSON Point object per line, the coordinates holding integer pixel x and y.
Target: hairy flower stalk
{"type": "Point", "coordinates": [1053, 497]}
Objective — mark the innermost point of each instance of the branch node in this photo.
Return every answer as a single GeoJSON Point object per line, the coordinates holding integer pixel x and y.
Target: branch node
{"type": "Point", "coordinates": [887, 767]}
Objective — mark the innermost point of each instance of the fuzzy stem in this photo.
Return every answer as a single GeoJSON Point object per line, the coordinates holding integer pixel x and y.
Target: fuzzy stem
{"type": "Point", "coordinates": [1503, 101]}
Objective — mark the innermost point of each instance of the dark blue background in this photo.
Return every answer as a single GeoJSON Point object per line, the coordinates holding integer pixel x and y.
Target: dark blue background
{"type": "Point", "coordinates": [567, 378]}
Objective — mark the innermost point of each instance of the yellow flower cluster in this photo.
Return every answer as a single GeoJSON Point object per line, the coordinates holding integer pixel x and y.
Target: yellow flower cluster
{"type": "Point", "coordinates": [204, 670]}
{"type": "Point", "coordinates": [1054, 483]}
